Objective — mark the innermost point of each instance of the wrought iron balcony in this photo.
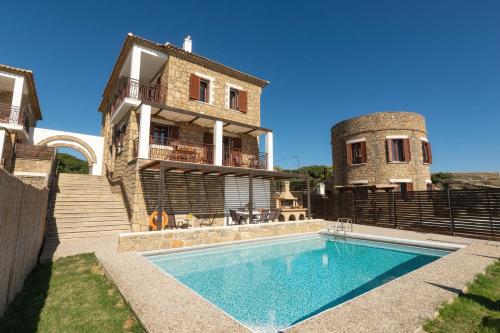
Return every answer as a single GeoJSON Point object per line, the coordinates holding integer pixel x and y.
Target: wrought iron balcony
{"type": "Point", "coordinates": [14, 115]}
{"type": "Point", "coordinates": [144, 91]}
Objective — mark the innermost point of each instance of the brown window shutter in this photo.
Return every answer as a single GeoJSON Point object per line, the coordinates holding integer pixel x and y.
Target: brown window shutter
{"type": "Point", "coordinates": [409, 187]}
{"type": "Point", "coordinates": [363, 152]}
{"type": "Point", "coordinates": [349, 153]}
{"type": "Point", "coordinates": [194, 87]}
{"type": "Point", "coordinates": [243, 101]}
{"type": "Point", "coordinates": [388, 144]}
{"type": "Point", "coordinates": [237, 143]}
{"type": "Point", "coordinates": [175, 132]}
{"type": "Point", "coordinates": [208, 138]}
{"type": "Point", "coordinates": [406, 150]}
{"type": "Point", "coordinates": [429, 152]}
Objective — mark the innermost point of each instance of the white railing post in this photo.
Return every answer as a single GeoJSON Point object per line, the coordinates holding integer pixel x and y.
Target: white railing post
{"type": "Point", "coordinates": [17, 97]}
{"type": "Point", "coordinates": [218, 142]}
{"type": "Point", "coordinates": [144, 126]}
{"type": "Point", "coordinates": [2, 142]}
{"type": "Point", "coordinates": [270, 151]}
{"type": "Point", "coordinates": [135, 72]}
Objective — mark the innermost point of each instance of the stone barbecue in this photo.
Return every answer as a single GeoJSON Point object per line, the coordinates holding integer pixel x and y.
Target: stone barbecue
{"type": "Point", "coordinates": [291, 210]}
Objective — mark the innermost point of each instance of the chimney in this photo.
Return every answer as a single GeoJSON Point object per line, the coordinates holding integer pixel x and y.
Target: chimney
{"type": "Point", "coordinates": [188, 44]}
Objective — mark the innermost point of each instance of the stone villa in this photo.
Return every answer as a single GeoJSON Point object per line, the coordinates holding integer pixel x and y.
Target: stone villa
{"type": "Point", "coordinates": [382, 149]}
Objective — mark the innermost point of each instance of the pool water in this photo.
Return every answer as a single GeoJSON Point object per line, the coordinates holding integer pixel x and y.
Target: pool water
{"type": "Point", "coordinates": [271, 285]}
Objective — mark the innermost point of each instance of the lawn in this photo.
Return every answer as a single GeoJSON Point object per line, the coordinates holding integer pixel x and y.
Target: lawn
{"type": "Point", "coordinates": [477, 310]}
{"type": "Point", "coordinates": [71, 294]}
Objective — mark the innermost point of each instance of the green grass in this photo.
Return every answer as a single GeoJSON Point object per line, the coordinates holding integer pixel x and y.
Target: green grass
{"type": "Point", "coordinates": [477, 310]}
{"type": "Point", "coordinates": [71, 294]}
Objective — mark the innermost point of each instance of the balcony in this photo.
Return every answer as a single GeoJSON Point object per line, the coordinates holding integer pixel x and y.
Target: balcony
{"type": "Point", "coordinates": [138, 90]}
{"type": "Point", "coordinates": [14, 115]}
{"type": "Point", "coordinates": [238, 158]}
{"type": "Point", "coordinates": [179, 151]}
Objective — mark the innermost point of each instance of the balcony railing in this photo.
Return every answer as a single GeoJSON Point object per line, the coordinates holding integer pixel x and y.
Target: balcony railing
{"type": "Point", "coordinates": [144, 91]}
{"type": "Point", "coordinates": [238, 158]}
{"type": "Point", "coordinates": [14, 115]}
{"type": "Point", "coordinates": [177, 150]}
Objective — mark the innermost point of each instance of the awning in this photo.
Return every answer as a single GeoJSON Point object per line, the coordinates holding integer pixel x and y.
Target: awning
{"type": "Point", "coordinates": [209, 169]}
{"type": "Point", "coordinates": [205, 120]}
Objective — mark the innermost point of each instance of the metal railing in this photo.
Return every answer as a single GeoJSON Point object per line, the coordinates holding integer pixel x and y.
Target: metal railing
{"type": "Point", "coordinates": [146, 92]}
{"type": "Point", "coordinates": [177, 150]}
{"type": "Point", "coordinates": [238, 158]}
{"type": "Point", "coordinates": [14, 115]}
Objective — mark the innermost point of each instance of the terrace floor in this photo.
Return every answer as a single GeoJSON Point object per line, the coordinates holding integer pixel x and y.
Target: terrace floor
{"type": "Point", "coordinates": [402, 305]}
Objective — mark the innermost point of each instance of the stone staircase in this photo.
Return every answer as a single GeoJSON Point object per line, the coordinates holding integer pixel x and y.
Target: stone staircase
{"type": "Point", "coordinates": [85, 207]}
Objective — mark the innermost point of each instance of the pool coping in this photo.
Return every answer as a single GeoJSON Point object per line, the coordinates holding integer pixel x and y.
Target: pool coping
{"type": "Point", "coordinates": [362, 314]}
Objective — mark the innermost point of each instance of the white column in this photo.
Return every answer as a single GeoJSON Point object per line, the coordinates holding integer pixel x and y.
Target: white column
{"type": "Point", "coordinates": [135, 71]}
{"type": "Point", "coordinates": [2, 142]}
{"type": "Point", "coordinates": [144, 125]}
{"type": "Point", "coordinates": [270, 151]}
{"type": "Point", "coordinates": [17, 96]}
{"type": "Point", "coordinates": [218, 142]}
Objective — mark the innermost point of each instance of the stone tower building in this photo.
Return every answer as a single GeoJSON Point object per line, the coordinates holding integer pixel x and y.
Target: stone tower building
{"type": "Point", "coordinates": [382, 148]}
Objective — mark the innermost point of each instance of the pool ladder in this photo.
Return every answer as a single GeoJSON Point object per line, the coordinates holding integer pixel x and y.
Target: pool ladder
{"type": "Point", "coordinates": [341, 225]}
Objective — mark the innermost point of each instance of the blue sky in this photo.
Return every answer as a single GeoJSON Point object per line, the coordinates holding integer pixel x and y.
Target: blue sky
{"type": "Point", "coordinates": [326, 60]}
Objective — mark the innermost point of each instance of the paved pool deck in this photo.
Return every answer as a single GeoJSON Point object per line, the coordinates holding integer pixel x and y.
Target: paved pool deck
{"type": "Point", "coordinates": [164, 305]}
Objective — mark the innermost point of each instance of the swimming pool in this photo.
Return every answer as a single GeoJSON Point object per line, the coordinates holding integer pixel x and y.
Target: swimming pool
{"type": "Point", "coordinates": [270, 285]}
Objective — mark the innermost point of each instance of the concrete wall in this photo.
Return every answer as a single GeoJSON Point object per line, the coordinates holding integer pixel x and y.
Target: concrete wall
{"type": "Point", "coordinates": [374, 128]}
{"type": "Point", "coordinates": [167, 239]}
{"type": "Point", "coordinates": [22, 223]}
{"type": "Point", "coordinates": [92, 147]}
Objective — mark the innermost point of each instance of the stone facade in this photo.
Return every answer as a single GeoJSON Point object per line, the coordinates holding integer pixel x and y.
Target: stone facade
{"type": "Point", "coordinates": [168, 239]}
{"type": "Point", "coordinates": [123, 167]}
{"type": "Point", "coordinates": [176, 78]}
{"type": "Point", "coordinates": [375, 128]}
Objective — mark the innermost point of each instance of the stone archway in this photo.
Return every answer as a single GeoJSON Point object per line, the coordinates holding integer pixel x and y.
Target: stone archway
{"type": "Point", "coordinates": [90, 146]}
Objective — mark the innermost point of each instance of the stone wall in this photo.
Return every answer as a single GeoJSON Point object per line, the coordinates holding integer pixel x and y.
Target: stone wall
{"type": "Point", "coordinates": [375, 127]}
{"type": "Point", "coordinates": [167, 239]}
{"type": "Point", "coordinates": [22, 224]}
{"type": "Point", "coordinates": [177, 80]}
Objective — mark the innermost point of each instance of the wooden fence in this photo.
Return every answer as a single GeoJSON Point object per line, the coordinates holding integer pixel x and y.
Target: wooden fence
{"type": "Point", "coordinates": [470, 213]}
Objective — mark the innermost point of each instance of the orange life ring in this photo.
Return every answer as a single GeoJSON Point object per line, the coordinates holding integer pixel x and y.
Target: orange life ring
{"type": "Point", "coordinates": [152, 218]}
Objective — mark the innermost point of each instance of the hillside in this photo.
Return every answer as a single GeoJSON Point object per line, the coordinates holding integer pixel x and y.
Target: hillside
{"type": "Point", "coordinates": [70, 164]}
{"type": "Point", "coordinates": [466, 180]}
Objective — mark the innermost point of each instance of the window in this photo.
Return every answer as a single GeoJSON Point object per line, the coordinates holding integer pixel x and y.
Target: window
{"type": "Point", "coordinates": [426, 152]}
{"type": "Point", "coordinates": [430, 187]}
{"type": "Point", "coordinates": [204, 91]}
{"type": "Point", "coordinates": [234, 99]}
{"type": "Point", "coordinates": [199, 89]}
{"type": "Point", "coordinates": [356, 152]}
{"type": "Point", "coordinates": [398, 150]}
{"type": "Point", "coordinates": [405, 187]}
{"type": "Point", "coordinates": [164, 134]}
{"type": "Point", "coordinates": [119, 137]}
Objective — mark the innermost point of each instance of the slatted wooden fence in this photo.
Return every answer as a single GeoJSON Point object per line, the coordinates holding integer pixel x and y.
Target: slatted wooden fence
{"type": "Point", "coordinates": [470, 213]}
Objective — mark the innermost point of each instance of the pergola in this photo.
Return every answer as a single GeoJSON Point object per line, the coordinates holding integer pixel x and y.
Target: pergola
{"type": "Point", "coordinates": [209, 169]}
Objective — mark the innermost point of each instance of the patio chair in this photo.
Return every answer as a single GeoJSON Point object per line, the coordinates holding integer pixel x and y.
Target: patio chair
{"type": "Point", "coordinates": [237, 218]}
{"type": "Point", "coordinates": [264, 216]}
{"type": "Point", "coordinates": [277, 213]}
{"type": "Point", "coordinates": [207, 220]}
{"type": "Point", "coordinates": [171, 221]}
{"type": "Point", "coordinates": [272, 215]}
